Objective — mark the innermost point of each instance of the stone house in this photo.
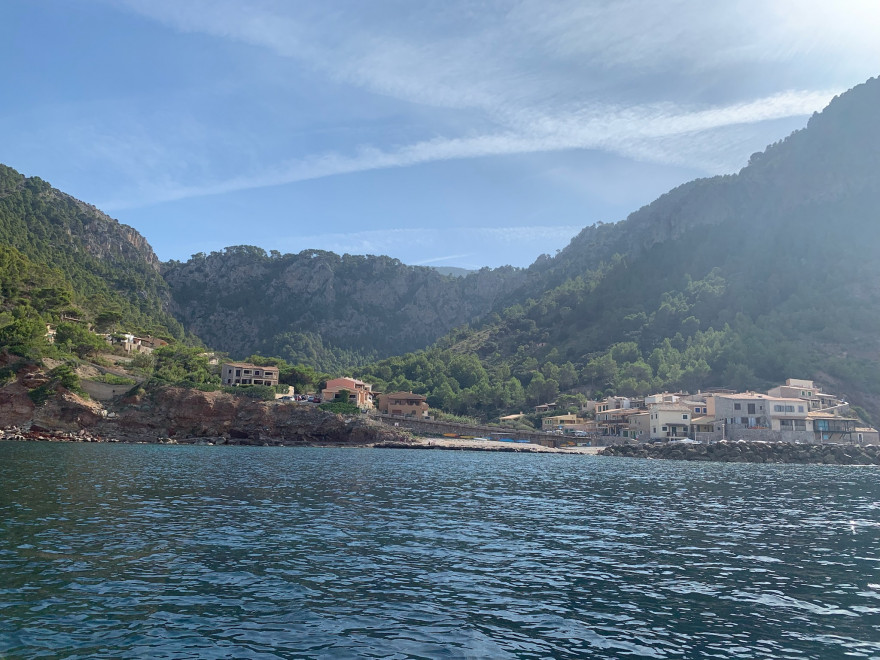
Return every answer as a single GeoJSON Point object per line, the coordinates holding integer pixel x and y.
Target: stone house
{"type": "Point", "coordinates": [560, 422]}
{"type": "Point", "coordinates": [669, 421]}
{"type": "Point", "coordinates": [404, 404]}
{"type": "Point", "coordinates": [244, 373]}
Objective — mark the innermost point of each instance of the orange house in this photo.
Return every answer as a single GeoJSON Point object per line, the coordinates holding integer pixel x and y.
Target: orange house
{"type": "Point", "coordinates": [405, 404]}
{"type": "Point", "coordinates": [359, 392]}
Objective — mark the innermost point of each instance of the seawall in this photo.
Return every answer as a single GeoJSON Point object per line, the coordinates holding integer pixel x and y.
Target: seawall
{"type": "Point", "coordinates": [752, 452]}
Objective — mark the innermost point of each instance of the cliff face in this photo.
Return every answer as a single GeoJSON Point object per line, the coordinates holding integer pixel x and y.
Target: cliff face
{"type": "Point", "coordinates": [834, 161]}
{"type": "Point", "coordinates": [242, 300]}
{"type": "Point", "coordinates": [107, 239]}
{"type": "Point", "coordinates": [110, 267]}
{"type": "Point", "coordinates": [175, 412]}
{"type": "Point", "coordinates": [182, 414]}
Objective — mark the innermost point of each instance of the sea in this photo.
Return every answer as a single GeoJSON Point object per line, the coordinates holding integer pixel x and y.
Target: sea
{"type": "Point", "coordinates": [162, 551]}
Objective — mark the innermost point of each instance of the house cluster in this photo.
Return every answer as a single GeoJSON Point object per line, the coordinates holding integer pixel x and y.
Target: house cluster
{"type": "Point", "coordinates": [126, 340]}
{"type": "Point", "coordinates": [132, 344]}
{"type": "Point", "coordinates": [795, 412]}
{"type": "Point", "coordinates": [399, 404]}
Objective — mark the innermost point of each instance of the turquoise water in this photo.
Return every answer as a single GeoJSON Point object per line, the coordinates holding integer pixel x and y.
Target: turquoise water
{"type": "Point", "coordinates": [122, 551]}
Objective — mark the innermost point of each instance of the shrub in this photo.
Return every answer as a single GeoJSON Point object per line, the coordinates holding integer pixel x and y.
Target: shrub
{"type": "Point", "coordinates": [340, 407]}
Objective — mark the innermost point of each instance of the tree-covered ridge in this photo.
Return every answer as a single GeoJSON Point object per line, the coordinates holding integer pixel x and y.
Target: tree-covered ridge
{"type": "Point", "coordinates": [738, 281]}
{"type": "Point", "coordinates": [833, 159]}
{"type": "Point", "coordinates": [331, 311]}
{"type": "Point", "coordinates": [109, 268]}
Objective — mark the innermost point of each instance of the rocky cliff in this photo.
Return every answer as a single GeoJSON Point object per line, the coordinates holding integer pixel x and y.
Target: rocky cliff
{"type": "Point", "coordinates": [190, 414]}
{"type": "Point", "coordinates": [243, 300]}
{"type": "Point", "coordinates": [109, 266]}
{"type": "Point", "coordinates": [184, 415]}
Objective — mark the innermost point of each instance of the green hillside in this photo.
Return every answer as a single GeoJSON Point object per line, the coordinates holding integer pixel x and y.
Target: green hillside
{"type": "Point", "coordinates": [737, 281]}
{"type": "Point", "coordinates": [62, 255]}
{"type": "Point", "coordinates": [323, 309]}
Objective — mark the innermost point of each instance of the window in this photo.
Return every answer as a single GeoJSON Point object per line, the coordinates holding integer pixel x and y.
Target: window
{"type": "Point", "coordinates": [684, 416]}
{"type": "Point", "coordinates": [800, 409]}
{"type": "Point", "coordinates": [664, 428]}
{"type": "Point", "coordinates": [737, 406]}
{"type": "Point", "coordinates": [751, 408]}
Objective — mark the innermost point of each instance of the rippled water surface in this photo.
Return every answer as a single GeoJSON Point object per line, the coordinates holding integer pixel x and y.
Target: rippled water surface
{"type": "Point", "coordinates": [111, 551]}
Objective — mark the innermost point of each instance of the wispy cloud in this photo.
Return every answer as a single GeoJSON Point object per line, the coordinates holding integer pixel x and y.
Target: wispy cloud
{"type": "Point", "coordinates": [523, 77]}
{"type": "Point", "coordinates": [637, 132]}
{"type": "Point", "coordinates": [448, 257]}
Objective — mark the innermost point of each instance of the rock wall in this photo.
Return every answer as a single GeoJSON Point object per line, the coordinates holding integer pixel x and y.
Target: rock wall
{"type": "Point", "coordinates": [182, 415]}
{"type": "Point", "coordinates": [752, 452]}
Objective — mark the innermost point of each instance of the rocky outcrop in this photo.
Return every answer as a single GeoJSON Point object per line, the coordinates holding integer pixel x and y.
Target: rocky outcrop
{"type": "Point", "coordinates": [751, 452]}
{"type": "Point", "coordinates": [184, 413]}
{"type": "Point", "coordinates": [178, 414]}
{"type": "Point", "coordinates": [243, 300]}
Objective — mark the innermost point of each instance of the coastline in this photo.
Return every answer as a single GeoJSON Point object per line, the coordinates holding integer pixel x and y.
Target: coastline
{"type": "Point", "coordinates": [721, 452]}
{"type": "Point", "coordinates": [752, 452]}
{"type": "Point", "coordinates": [15, 434]}
{"type": "Point", "coordinates": [472, 444]}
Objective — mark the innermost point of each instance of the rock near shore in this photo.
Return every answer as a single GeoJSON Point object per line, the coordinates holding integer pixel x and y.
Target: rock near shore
{"type": "Point", "coordinates": [179, 415]}
{"type": "Point", "coordinates": [751, 452]}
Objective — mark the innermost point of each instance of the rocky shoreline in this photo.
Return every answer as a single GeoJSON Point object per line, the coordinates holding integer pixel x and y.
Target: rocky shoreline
{"type": "Point", "coordinates": [16, 434]}
{"type": "Point", "coordinates": [751, 452]}
{"type": "Point", "coordinates": [720, 452]}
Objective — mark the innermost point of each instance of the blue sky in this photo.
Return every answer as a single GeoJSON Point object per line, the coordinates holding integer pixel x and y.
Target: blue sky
{"type": "Point", "coordinates": [435, 131]}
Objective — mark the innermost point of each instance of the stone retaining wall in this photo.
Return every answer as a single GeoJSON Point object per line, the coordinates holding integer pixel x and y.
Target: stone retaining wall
{"type": "Point", "coordinates": [752, 452]}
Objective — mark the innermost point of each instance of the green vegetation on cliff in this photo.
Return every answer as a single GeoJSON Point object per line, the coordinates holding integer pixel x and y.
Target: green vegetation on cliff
{"type": "Point", "coordinates": [58, 254]}
{"type": "Point", "coordinates": [738, 281]}
{"type": "Point", "coordinates": [323, 309]}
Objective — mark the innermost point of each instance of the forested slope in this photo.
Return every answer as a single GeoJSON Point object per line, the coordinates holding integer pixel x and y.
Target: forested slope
{"type": "Point", "coordinates": [737, 281]}
{"type": "Point", "coordinates": [89, 265]}
{"type": "Point", "coordinates": [323, 309]}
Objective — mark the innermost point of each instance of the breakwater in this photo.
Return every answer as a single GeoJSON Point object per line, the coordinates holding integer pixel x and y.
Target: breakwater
{"type": "Point", "coordinates": [752, 452]}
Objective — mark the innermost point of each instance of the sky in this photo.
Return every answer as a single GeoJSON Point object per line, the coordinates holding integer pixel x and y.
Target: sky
{"type": "Point", "coordinates": [439, 132]}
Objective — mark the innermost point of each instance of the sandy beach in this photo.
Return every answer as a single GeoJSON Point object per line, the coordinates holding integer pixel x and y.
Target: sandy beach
{"type": "Point", "coordinates": [468, 443]}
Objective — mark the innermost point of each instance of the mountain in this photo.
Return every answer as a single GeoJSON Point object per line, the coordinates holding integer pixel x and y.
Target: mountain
{"type": "Point", "coordinates": [324, 309]}
{"type": "Point", "coordinates": [85, 263]}
{"type": "Point", "coordinates": [737, 281]}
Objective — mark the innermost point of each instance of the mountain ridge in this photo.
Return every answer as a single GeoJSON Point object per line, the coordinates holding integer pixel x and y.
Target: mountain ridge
{"type": "Point", "coordinates": [736, 280]}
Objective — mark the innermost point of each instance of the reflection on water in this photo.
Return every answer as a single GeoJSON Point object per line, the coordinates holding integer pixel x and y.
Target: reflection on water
{"type": "Point", "coordinates": [111, 551]}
